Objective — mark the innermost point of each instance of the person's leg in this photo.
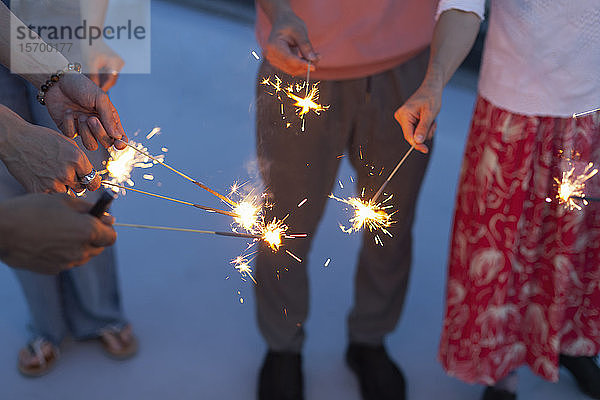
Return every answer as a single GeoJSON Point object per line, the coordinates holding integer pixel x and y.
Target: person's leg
{"type": "Point", "coordinates": [42, 292]}
{"type": "Point", "coordinates": [295, 165]}
{"type": "Point", "coordinates": [91, 297]}
{"type": "Point", "coordinates": [43, 296]}
{"type": "Point", "coordinates": [383, 270]}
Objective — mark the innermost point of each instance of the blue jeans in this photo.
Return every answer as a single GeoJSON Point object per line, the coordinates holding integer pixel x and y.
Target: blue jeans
{"type": "Point", "coordinates": [83, 300]}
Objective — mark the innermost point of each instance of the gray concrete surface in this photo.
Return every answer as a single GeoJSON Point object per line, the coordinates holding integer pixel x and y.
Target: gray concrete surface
{"type": "Point", "coordinates": [197, 340]}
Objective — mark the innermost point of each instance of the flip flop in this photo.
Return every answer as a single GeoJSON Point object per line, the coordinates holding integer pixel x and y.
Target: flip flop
{"type": "Point", "coordinates": [46, 358]}
{"type": "Point", "coordinates": [118, 342]}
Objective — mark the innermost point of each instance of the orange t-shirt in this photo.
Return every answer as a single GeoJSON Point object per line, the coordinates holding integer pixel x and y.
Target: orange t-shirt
{"type": "Point", "coordinates": [357, 38]}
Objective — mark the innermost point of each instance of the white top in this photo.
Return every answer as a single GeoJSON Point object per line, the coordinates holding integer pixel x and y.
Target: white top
{"type": "Point", "coordinates": [541, 57]}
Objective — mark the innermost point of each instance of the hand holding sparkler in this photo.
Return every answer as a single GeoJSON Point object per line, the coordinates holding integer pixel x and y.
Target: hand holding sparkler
{"type": "Point", "coordinates": [78, 106]}
{"type": "Point", "coordinates": [288, 47]}
{"type": "Point", "coordinates": [51, 233]}
{"type": "Point", "coordinates": [417, 115]}
{"type": "Point", "coordinates": [41, 159]}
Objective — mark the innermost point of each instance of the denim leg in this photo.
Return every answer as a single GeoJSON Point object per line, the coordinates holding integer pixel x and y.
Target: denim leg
{"type": "Point", "coordinates": [43, 296]}
{"type": "Point", "coordinates": [92, 298]}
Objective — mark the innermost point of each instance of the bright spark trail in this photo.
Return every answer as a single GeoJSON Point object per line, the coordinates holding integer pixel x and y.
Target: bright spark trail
{"type": "Point", "coordinates": [571, 186]}
{"type": "Point", "coordinates": [201, 185]}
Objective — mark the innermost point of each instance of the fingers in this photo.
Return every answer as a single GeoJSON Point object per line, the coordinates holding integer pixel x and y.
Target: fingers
{"type": "Point", "coordinates": [83, 167]}
{"type": "Point", "coordinates": [408, 122]}
{"type": "Point", "coordinates": [109, 81]}
{"type": "Point", "coordinates": [89, 142]}
{"type": "Point", "coordinates": [97, 129]}
{"type": "Point", "coordinates": [306, 49]}
{"type": "Point", "coordinates": [113, 67]}
{"type": "Point", "coordinates": [120, 144]}
{"type": "Point", "coordinates": [111, 123]}
{"type": "Point", "coordinates": [102, 235]}
{"type": "Point", "coordinates": [281, 56]}
{"type": "Point", "coordinates": [79, 205]}
{"type": "Point", "coordinates": [107, 219]}
{"type": "Point", "coordinates": [425, 123]}
{"type": "Point", "coordinates": [69, 124]}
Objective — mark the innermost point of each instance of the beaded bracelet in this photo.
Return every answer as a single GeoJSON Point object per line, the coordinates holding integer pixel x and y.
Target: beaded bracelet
{"type": "Point", "coordinates": [54, 78]}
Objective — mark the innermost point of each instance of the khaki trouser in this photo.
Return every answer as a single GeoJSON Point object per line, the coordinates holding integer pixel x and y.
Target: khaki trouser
{"type": "Point", "coordinates": [297, 165]}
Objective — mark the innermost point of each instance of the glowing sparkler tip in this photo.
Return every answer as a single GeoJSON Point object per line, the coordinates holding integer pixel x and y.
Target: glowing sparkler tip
{"type": "Point", "coordinates": [571, 187]}
{"type": "Point", "coordinates": [366, 215]}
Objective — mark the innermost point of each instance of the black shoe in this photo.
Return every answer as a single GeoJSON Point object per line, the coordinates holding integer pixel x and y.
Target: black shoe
{"type": "Point", "coordinates": [492, 393]}
{"type": "Point", "coordinates": [379, 377]}
{"type": "Point", "coordinates": [281, 377]}
{"type": "Point", "coordinates": [586, 372]}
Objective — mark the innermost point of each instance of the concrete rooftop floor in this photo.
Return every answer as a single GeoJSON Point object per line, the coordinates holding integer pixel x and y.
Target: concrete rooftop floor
{"type": "Point", "coordinates": [197, 340]}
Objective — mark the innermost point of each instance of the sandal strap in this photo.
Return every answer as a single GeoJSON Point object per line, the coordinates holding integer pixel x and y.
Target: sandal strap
{"type": "Point", "coordinates": [36, 348]}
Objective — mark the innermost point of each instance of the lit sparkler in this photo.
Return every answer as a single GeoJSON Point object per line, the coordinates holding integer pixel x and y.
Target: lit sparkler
{"type": "Point", "coordinates": [159, 196]}
{"type": "Point", "coordinates": [160, 160]}
{"type": "Point", "coordinates": [571, 187]}
{"type": "Point", "coordinates": [304, 105]}
{"type": "Point", "coordinates": [367, 215]}
{"type": "Point", "coordinates": [121, 163]}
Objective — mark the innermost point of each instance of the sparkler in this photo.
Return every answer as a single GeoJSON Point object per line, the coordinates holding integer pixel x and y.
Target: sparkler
{"type": "Point", "coordinates": [161, 162]}
{"type": "Point", "coordinates": [187, 203]}
{"type": "Point", "coordinates": [367, 215]}
{"type": "Point", "coordinates": [581, 114]}
{"type": "Point", "coordinates": [374, 199]}
{"type": "Point", "coordinates": [371, 214]}
{"type": "Point", "coordinates": [571, 187]}
{"type": "Point", "coordinates": [121, 163]}
{"type": "Point", "coordinates": [167, 228]}
{"type": "Point", "coordinates": [304, 105]}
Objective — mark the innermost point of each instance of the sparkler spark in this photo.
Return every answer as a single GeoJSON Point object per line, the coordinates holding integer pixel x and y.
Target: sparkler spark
{"type": "Point", "coordinates": [121, 163]}
{"type": "Point", "coordinates": [273, 232]}
{"type": "Point", "coordinates": [571, 187]}
{"type": "Point", "coordinates": [304, 105]}
{"type": "Point", "coordinates": [366, 215]}
{"type": "Point", "coordinates": [242, 265]}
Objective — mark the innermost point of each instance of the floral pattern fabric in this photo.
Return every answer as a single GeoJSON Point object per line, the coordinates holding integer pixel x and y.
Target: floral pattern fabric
{"type": "Point", "coordinates": [524, 269]}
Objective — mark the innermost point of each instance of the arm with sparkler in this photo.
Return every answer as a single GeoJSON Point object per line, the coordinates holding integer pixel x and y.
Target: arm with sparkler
{"type": "Point", "coordinates": [453, 37]}
{"type": "Point", "coordinates": [288, 47]}
{"type": "Point", "coordinates": [41, 159]}
{"type": "Point", "coordinates": [74, 102]}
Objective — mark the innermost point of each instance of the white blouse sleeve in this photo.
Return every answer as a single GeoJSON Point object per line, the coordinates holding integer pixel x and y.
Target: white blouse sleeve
{"type": "Point", "coordinates": [474, 6]}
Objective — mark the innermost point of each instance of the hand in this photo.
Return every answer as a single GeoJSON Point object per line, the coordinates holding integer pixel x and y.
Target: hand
{"type": "Point", "coordinates": [103, 64]}
{"type": "Point", "coordinates": [51, 233]}
{"type": "Point", "coordinates": [288, 47]}
{"type": "Point", "coordinates": [417, 115]}
{"type": "Point", "coordinates": [78, 106]}
{"type": "Point", "coordinates": [42, 160]}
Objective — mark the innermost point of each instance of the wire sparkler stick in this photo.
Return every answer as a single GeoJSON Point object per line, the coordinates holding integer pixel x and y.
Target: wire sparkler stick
{"type": "Point", "coordinates": [203, 186]}
{"type": "Point", "coordinates": [167, 228]}
{"type": "Point", "coordinates": [581, 114]}
{"type": "Point", "coordinates": [594, 199]}
{"type": "Point", "coordinates": [307, 77]}
{"type": "Point", "coordinates": [187, 203]}
{"type": "Point", "coordinates": [374, 199]}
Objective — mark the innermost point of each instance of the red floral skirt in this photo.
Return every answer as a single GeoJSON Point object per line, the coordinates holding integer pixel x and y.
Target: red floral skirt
{"type": "Point", "coordinates": [524, 269]}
